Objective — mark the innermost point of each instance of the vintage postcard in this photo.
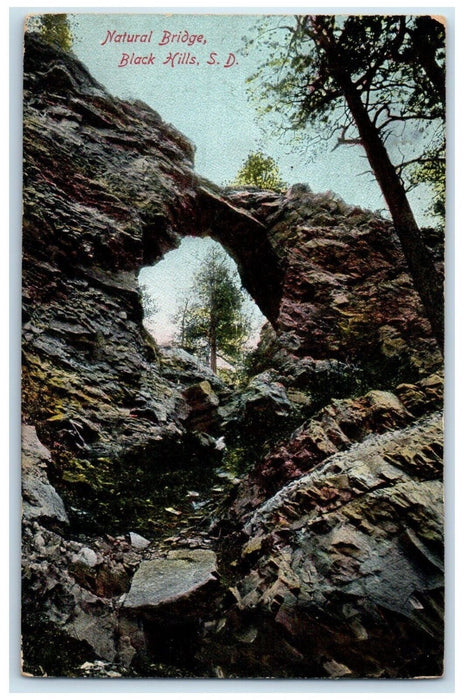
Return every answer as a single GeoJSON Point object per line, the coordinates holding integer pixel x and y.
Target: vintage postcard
{"type": "Point", "coordinates": [232, 381]}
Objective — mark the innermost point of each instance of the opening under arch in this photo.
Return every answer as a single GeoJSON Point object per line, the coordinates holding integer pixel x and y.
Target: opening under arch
{"type": "Point", "coordinates": [171, 280]}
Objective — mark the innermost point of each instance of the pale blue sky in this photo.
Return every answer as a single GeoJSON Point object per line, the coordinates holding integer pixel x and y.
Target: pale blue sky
{"type": "Point", "coordinates": [171, 278]}
{"type": "Point", "coordinates": [210, 105]}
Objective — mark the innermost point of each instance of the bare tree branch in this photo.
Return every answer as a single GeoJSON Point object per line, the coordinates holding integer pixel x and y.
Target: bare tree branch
{"type": "Point", "coordinates": [343, 141]}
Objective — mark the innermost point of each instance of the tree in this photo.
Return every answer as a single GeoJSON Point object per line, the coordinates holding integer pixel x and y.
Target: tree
{"type": "Point", "coordinates": [182, 319]}
{"type": "Point", "coordinates": [210, 317]}
{"type": "Point", "coordinates": [55, 29]}
{"type": "Point", "coordinates": [150, 307]}
{"type": "Point", "coordinates": [431, 169]}
{"type": "Point", "coordinates": [365, 79]}
{"type": "Point", "coordinates": [259, 171]}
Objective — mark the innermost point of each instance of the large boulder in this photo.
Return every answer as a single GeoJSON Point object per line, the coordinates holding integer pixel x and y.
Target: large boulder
{"type": "Point", "coordinates": [165, 603]}
{"type": "Point", "coordinates": [203, 415]}
{"type": "Point", "coordinates": [164, 581]}
{"type": "Point", "coordinates": [262, 406]}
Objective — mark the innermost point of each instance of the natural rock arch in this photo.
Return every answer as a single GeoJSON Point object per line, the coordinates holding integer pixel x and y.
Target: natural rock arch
{"type": "Point", "coordinates": [108, 187]}
{"type": "Point", "coordinates": [242, 236]}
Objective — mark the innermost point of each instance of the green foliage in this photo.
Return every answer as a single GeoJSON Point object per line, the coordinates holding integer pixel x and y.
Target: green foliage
{"type": "Point", "coordinates": [431, 170]}
{"type": "Point", "coordinates": [55, 29]}
{"type": "Point", "coordinates": [235, 461]}
{"type": "Point", "coordinates": [210, 318]}
{"type": "Point", "coordinates": [123, 493]}
{"type": "Point", "coordinates": [259, 171]}
{"type": "Point", "coordinates": [396, 64]}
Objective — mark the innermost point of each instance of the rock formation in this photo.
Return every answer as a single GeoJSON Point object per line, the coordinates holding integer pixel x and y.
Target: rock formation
{"type": "Point", "coordinates": [317, 550]}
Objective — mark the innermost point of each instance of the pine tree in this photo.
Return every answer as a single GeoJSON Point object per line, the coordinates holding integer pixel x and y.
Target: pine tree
{"type": "Point", "coordinates": [210, 318]}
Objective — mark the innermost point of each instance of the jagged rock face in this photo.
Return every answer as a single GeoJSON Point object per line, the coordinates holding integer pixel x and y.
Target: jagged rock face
{"type": "Point", "coordinates": [330, 548]}
{"type": "Point", "coordinates": [347, 563]}
{"type": "Point", "coordinates": [346, 292]}
{"type": "Point", "coordinates": [107, 187]}
{"type": "Point", "coordinates": [339, 425]}
{"type": "Point", "coordinates": [40, 500]}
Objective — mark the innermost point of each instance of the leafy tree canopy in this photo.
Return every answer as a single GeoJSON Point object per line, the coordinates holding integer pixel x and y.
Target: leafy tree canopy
{"type": "Point", "coordinates": [396, 65]}
{"type": "Point", "coordinates": [375, 81]}
{"type": "Point", "coordinates": [261, 171]}
{"type": "Point", "coordinates": [54, 29]}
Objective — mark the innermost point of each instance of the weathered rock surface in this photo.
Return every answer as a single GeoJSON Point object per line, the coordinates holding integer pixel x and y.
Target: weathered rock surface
{"type": "Point", "coordinates": [203, 403]}
{"type": "Point", "coordinates": [108, 188]}
{"type": "Point", "coordinates": [261, 406]}
{"type": "Point", "coordinates": [346, 293]}
{"type": "Point", "coordinates": [336, 427]}
{"type": "Point", "coordinates": [330, 548]}
{"type": "Point", "coordinates": [346, 564]}
{"type": "Point", "coordinates": [40, 500]}
{"type": "Point", "coordinates": [70, 598]}
{"type": "Point", "coordinates": [163, 581]}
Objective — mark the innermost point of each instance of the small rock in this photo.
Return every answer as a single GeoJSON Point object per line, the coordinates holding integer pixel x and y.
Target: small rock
{"type": "Point", "coordinates": [336, 670]}
{"type": "Point", "coordinates": [248, 636]}
{"type": "Point", "coordinates": [221, 443]}
{"type": "Point", "coordinates": [138, 541]}
{"type": "Point", "coordinates": [39, 542]}
{"type": "Point", "coordinates": [86, 556]}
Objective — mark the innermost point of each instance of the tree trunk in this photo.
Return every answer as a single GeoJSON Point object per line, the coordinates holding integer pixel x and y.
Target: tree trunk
{"type": "Point", "coordinates": [212, 335]}
{"type": "Point", "coordinates": [426, 278]}
{"type": "Point", "coordinates": [213, 355]}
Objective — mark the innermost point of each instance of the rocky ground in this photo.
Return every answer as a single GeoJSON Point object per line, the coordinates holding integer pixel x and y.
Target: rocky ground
{"type": "Point", "coordinates": [177, 526]}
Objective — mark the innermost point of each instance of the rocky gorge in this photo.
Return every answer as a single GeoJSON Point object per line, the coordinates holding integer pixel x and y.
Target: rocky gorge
{"type": "Point", "coordinates": [311, 545]}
